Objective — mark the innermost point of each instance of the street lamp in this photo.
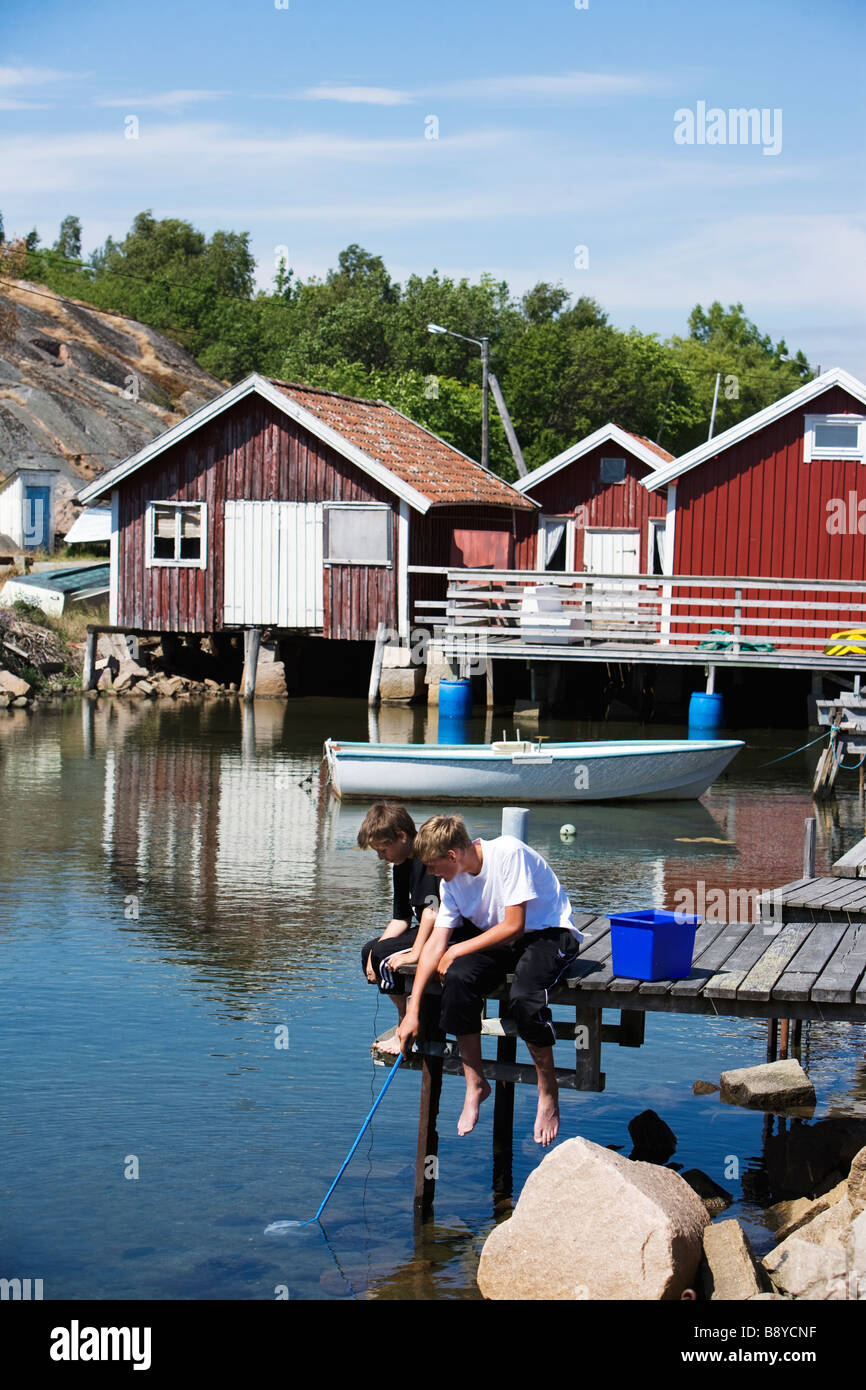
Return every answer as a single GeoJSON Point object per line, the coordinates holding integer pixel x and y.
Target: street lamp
{"type": "Point", "coordinates": [484, 344]}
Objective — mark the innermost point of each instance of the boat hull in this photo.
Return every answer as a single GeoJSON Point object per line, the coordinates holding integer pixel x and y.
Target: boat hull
{"type": "Point", "coordinates": [650, 770]}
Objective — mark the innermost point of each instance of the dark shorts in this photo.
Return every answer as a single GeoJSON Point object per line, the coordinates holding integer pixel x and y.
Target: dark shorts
{"type": "Point", "coordinates": [378, 950]}
{"type": "Point", "coordinates": [537, 960]}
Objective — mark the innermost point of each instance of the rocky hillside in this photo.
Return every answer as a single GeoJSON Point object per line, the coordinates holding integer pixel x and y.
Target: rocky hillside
{"type": "Point", "coordinates": [80, 390]}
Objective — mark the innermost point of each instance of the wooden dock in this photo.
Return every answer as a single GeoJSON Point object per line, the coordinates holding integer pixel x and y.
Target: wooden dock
{"type": "Point", "coordinates": [745, 621]}
{"type": "Point", "coordinates": [808, 961]}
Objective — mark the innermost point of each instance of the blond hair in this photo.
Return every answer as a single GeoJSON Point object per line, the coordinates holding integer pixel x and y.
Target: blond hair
{"type": "Point", "coordinates": [439, 835]}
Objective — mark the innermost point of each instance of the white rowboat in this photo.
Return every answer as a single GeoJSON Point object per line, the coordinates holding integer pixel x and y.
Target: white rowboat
{"type": "Point", "coordinates": [520, 770]}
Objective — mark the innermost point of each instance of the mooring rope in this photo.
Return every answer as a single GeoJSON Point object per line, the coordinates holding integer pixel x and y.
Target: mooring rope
{"type": "Point", "coordinates": [811, 744]}
{"type": "Point", "coordinates": [844, 767]}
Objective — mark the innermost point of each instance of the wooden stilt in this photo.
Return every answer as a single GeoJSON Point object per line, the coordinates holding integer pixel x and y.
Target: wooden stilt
{"type": "Point", "coordinates": [632, 1023]}
{"type": "Point", "coordinates": [89, 668]}
{"type": "Point", "coordinates": [378, 658]}
{"type": "Point", "coordinates": [784, 1030]}
{"type": "Point", "coordinates": [587, 1050]}
{"type": "Point", "coordinates": [503, 1122]}
{"type": "Point", "coordinates": [252, 643]}
{"type": "Point", "coordinates": [488, 682]}
{"type": "Point", "coordinates": [427, 1152]}
{"type": "Point", "coordinates": [772, 1038]}
{"type": "Point", "coordinates": [809, 848]}
{"type": "Point", "coordinates": [797, 1039]}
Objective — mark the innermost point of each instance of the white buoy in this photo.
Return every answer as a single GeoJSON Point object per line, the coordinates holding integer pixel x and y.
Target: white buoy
{"type": "Point", "coordinates": [567, 832]}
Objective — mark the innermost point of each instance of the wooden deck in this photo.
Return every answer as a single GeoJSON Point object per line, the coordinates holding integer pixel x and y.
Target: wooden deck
{"type": "Point", "coordinates": [807, 960]}
{"type": "Point", "coordinates": [671, 619]}
{"type": "Point", "coordinates": [800, 968]}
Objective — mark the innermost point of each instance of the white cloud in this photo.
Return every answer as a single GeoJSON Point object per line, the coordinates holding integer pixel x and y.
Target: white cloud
{"type": "Point", "coordinates": [183, 155]}
{"type": "Point", "coordinates": [162, 101]}
{"type": "Point", "coordinates": [550, 86]}
{"type": "Point", "coordinates": [368, 96]}
{"type": "Point", "coordinates": [16, 77]}
{"type": "Point", "coordinates": [768, 262]}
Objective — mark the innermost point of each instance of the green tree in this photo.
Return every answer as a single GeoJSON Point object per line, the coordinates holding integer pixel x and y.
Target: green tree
{"type": "Point", "coordinates": [68, 243]}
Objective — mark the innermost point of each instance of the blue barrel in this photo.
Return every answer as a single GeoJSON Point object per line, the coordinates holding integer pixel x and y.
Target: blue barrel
{"type": "Point", "coordinates": [455, 699]}
{"type": "Point", "coordinates": [706, 711]}
{"type": "Point", "coordinates": [451, 730]}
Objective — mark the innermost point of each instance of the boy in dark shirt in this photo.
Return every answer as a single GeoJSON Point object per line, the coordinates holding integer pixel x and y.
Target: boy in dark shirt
{"type": "Point", "coordinates": [390, 831]}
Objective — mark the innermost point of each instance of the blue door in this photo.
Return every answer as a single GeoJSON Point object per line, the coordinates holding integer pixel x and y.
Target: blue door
{"type": "Point", "coordinates": [37, 519]}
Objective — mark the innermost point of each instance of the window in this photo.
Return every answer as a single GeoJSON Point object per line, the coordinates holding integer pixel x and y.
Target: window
{"type": "Point", "coordinates": [835, 437]}
{"type": "Point", "coordinates": [177, 533]}
{"type": "Point", "coordinates": [613, 470]}
{"type": "Point", "coordinates": [358, 533]}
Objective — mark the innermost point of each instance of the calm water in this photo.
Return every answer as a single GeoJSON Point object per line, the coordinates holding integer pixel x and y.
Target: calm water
{"type": "Point", "coordinates": [181, 909]}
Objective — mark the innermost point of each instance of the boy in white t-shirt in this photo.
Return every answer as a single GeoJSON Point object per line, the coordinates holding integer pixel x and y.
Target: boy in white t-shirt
{"type": "Point", "coordinates": [502, 909]}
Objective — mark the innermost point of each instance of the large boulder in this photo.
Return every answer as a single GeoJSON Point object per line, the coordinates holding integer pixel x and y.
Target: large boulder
{"type": "Point", "coordinates": [654, 1141]}
{"type": "Point", "coordinates": [271, 680]}
{"type": "Point", "coordinates": [401, 685]}
{"type": "Point", "coordinates": [128, 672]}
{"type": "Point", "coordinates": [13, 685]}
{"type": "Point", "coordinates": [731, 1270]}
{"type": "Point", "coordinates": [770, 1086]}
{"type": "Point", "coordinates": [812, 1263]}
{"type": "Point", "coordinates": [591, 1224]}
{"type": "Point", "coordinates": [857, 1183]}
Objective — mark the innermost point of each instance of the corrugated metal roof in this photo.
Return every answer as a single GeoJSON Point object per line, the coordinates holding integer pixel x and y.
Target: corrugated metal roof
{"type": "Point", "coordinates": [433, 468]}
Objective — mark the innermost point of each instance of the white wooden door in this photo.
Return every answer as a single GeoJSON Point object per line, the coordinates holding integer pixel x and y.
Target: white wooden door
{"type": "Point", "coordinates": [612, 552]}
{"type": "Point", "coordinates": [274, 575]}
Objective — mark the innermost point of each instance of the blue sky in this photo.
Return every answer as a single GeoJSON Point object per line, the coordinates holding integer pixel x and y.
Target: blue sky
{"type": "Point", "coordinates": [308, 127]}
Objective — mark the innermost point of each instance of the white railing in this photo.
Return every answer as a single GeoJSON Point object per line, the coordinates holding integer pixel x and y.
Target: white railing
{"type": "Point", "coordinates": [539, 607]}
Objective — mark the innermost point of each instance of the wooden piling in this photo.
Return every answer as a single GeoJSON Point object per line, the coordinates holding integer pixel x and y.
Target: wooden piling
{"type": "Point", "coordinates": [427, 1151]}
{"type": "Point", "coordinates": [89, 667]}
{"type": "Point", "coordinates": [252, 643]}
{"type": "Point", "coordinates": [809, 848]}
{"type": "Point", "coordinates": [376, 670]}
{"type": "Point", "coordinates": [587, 1054]}
{"type": "Point", "coordinates": [503, 1121]}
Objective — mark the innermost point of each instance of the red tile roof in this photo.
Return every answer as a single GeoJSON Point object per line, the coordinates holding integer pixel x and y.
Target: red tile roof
{"type": "Point", "coordinates": [649, 444]}
{"type": "Point", "coordinates": [439, 472]}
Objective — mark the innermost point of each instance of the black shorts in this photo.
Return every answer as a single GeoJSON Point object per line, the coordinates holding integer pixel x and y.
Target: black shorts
{"type": "Point", "coordinates": [537, 960]}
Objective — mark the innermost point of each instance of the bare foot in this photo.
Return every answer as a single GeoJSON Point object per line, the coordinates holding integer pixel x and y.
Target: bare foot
{"type": "Point", "coordinates": [546, 1120]}
{"type": "Point", "coordinates": [390, 1045]}
{"type": "Point", "coordinates": [475, 1095]}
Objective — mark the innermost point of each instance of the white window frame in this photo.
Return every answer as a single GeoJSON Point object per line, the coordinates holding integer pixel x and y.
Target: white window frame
{"type": "Point", "coordinates": [354, 507]}
{"type": "Point", "coordinates": [154, 562]}
{"type": "Point", "coordinates": [616, 482]}
{"type": "Point", "coordinates": [813, 451]}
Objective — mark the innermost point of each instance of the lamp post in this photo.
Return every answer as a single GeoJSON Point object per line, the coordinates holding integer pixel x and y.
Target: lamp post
{"type": "Point", "coordinates": [484, 344]}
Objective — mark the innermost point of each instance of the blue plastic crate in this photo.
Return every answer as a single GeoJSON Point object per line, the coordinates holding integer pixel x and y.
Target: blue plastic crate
{"type": "Point", "coordinates": [652, 945]}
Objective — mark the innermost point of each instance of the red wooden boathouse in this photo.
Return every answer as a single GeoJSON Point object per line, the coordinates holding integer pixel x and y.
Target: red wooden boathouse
{"type": "Point", "coordinates": [781, 495]}
{"type": "Point", "coordinates": [282, 506]}
{"type": "Point", "coordinates": [595, 515]}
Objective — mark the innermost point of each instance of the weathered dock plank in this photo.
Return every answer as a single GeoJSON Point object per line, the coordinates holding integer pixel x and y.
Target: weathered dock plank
{"type": "Point", "coordinates": [726, 981]}
{"type": "Point", "coordinates": [812, 891]}
{"type": "Point", "coordinates": [705, 936]}
{"type": "Point", "coordinates": [797, 980]}
{"type": "Point", "coordinates": [851, 864]}
{"type": "Point", "coordinates": [839, 980]}
{"type": "Point", "coordinates": [592, 968]}
{"type": "Point", "coordinates": [784, 945]}
{"type": "Point", "coordinates": [712, 959]}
